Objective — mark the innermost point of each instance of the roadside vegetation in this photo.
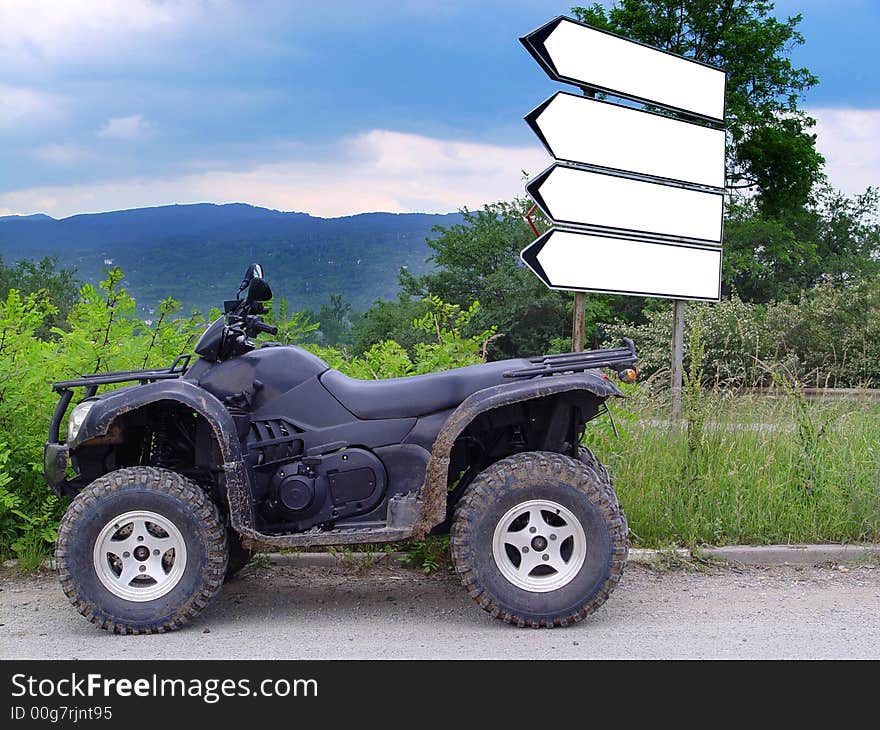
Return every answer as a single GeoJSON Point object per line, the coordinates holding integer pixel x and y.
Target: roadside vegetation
{"type": "Point", "coordinates": [796, 471]}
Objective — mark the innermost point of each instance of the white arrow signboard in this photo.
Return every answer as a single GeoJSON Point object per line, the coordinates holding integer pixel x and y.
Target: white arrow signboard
{"type": "Point", "coordinates": [576, 196]}
{"type": "Point", "coordinates": [639, 193]}
{"type": "Point", "coordinates": [577, 261]}
{"type": "Point", "coordinates": [578, 129]}
{"type": "Point", "coordinates": [585, 56]}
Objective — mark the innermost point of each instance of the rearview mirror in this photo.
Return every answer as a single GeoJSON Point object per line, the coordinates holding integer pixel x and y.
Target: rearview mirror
{"type": "Point", "coordinates": [254, 271]}
{"type": "Point", "coordinates": [258, 290]}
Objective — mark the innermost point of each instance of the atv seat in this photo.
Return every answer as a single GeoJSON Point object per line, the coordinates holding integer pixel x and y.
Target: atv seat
{"type": "Point", "coordinates": [416, 395]}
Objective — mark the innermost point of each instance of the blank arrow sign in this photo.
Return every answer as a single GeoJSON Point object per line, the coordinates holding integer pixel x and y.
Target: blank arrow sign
{"type": "Point", "coordinates": [593, 132]}
{"type": "Point", "coordinates": [573, 260]}
{"type": "Point", "coordinates": [579, 54]}
{"type": "Point", "coordinates": [575, 196]}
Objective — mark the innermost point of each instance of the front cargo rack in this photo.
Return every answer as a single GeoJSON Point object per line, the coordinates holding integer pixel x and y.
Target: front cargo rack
{"type": "Point", "coordinates": [91, 383]}
{"type": "Point", "coordinates": [617, 358]}
{"type": "Point", "coordinates": [177, 368]}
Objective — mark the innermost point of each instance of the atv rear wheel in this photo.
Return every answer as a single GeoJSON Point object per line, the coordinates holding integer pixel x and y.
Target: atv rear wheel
{"type": "Point", "coordinates": [141, 550]}
{"type": "Point", "coordinates": [539, 539]}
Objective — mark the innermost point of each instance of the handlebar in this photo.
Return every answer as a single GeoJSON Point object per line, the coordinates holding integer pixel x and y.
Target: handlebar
{"type": "Point", "coordinates": [257, 326]}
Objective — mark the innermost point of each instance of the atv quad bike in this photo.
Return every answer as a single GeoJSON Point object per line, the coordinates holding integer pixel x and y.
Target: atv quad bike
{"type": "Point", "coordinates": [176, 479]}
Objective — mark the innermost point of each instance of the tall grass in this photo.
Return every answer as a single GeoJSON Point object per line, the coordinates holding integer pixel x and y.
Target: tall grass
{"type": "Point", "coordinates": [792, 471]}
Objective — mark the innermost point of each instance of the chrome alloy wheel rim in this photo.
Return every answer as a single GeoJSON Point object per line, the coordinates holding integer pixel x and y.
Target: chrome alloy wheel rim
{"type": "Point", "coordinates": [139, 556]}
{"type": "Point", "coordinates": [539, 545]}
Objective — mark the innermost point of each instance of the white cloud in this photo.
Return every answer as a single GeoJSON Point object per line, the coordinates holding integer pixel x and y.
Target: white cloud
{"type": "Point", "coordinates": [380, 170]}
{"type": "Point", "coordinates": [23, 108]}
{"type": "Point", "coordinates": [129, 128]}
{"type": "Point", "coordinates": [60, 154]}
{"type": "Point", "coordinates": [850, 141]}
{"type": "Point", "coordinates": [37, 32]}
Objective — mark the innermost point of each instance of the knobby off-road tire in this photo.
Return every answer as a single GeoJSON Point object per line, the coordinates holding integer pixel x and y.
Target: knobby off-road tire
{"type": "Point", "coordinates": [540, 488]}
{"type": "Point", "coordinates": [118, 515]}
{"type": "Point", "coordinates": [588, 458]}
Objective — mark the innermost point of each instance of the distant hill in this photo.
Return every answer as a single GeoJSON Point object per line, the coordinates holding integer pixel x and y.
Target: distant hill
{"type": "Point", "coordinates": [197, 253]}
{"type": "Point", "coordinates": [34, 217]}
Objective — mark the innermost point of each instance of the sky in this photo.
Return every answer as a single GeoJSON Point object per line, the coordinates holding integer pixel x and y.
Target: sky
{"type": "Point", "coordinates": [330, 108]}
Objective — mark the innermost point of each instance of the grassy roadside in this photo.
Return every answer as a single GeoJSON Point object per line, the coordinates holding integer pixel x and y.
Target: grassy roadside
{"type": "Point", "coordinates": [745, 470]}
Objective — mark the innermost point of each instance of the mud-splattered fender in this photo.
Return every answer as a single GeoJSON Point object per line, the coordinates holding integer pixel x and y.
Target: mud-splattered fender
{"type": "Point", "coordinates": [432, 494]}
{"type": "Point", "coordinates": [115, 404]}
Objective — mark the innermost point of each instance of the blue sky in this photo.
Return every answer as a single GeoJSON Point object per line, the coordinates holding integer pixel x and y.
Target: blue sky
{"type": "Point", "coordinates": [331, 108]}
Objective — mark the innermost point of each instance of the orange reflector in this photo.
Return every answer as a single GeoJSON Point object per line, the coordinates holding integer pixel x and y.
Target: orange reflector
{"type": "Point", "coordinates": [628, 375]}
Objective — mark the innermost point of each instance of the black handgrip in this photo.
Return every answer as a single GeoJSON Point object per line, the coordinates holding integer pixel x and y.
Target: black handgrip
{"type": "Point", "coordinates": [263, 327]}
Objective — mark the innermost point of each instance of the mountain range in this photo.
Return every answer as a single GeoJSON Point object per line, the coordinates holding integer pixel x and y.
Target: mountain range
{"type": "Point", "coordinates": [198, 253]}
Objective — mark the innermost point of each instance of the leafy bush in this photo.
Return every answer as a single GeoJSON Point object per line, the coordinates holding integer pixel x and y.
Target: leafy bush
{"type": "Point", "coordinates": [830, 338]}
{"type": "Point", "coordinates": [101, 332]}
{"type": "Point", "coordinates": [444, 345]}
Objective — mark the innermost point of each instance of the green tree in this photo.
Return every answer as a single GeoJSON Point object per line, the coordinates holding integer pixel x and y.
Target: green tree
{"type": "Point", "coordinates": [478, 260]}
{"type": "Point", "coordinates": [845, 233]}
{"type": "Point", "coordinates": [45, 277]}
{"type": "Point", "coordinates": [771, 150]}
{"type": "Point", "coordinates": [335, 321]}
{"type": "Point", "coordinates": [294, 328]}
{"type": "Point", "coordinates": [389, 320]}
{"type": "Point", "coordinates": [835, 240]}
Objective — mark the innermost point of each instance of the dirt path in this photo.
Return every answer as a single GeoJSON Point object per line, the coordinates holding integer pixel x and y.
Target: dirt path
{"type": "Point", "coordinates": [391, 612]}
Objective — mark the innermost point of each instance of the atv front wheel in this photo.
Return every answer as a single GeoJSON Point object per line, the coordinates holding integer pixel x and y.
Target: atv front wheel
{"type": "Point", "coordinates": [539, 539]}
{"type": "Point", "coordinates": [141, 550]}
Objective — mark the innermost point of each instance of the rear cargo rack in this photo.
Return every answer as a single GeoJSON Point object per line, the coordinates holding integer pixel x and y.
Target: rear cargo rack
{"type": "Point", "coordinates": [617, 358]}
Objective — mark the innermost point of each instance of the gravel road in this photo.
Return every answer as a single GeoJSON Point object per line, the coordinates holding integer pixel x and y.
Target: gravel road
{"type": "Point", "coordinates": [297, 612]}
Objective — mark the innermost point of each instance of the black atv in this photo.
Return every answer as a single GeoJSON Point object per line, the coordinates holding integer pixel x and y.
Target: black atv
{"type": "Point", "coordinates": [177, 479]}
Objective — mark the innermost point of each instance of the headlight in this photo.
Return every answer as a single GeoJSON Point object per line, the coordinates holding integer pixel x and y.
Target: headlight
{"type": "Point", "coordinates": [77, 417]}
